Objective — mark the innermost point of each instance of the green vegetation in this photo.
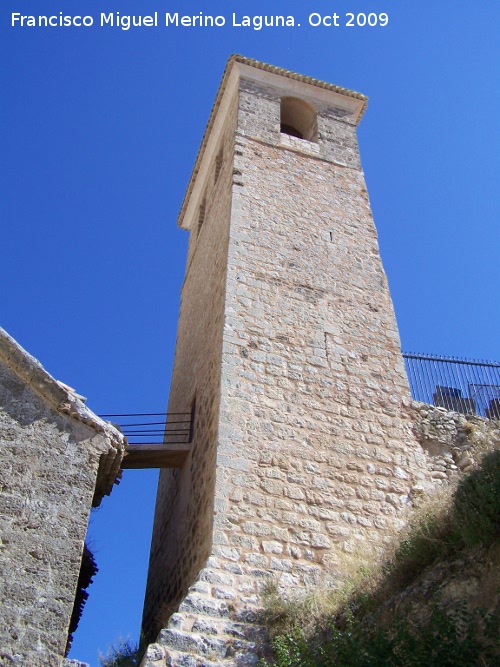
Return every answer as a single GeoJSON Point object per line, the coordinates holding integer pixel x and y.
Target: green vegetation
{"type": "Point", "coordinates": [363, 626]}
{"type": "Point", "coordinates": [471, 519]}
{"type": "Point", "coordinates": [124, 654]}
{"type": "Point", "coordinates": [460, 639]}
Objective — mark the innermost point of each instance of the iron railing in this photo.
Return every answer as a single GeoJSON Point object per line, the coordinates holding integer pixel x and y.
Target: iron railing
{"type": "Point", "coordinates": [459, 385]}
{"type": "Point", "coordinates": [174, 428]}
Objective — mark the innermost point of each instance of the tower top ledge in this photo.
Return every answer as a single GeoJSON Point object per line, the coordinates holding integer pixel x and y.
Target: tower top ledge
{"type": "Point", "coordinates": [238, 67]}
{"type": "Point", "coordinates": [294, 76]}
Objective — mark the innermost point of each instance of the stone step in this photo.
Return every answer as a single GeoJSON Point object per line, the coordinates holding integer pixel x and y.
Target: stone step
{"type": "Point", "coordinates": [207, 632]}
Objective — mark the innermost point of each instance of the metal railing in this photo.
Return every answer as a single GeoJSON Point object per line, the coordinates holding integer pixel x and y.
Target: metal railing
{"type": "Point", "coordinates": [459, 385]}
{"type": "Point", "coordinates": [174, 428]}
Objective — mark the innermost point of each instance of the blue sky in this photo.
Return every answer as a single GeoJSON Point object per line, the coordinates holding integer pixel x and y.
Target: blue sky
{"type": "Point", "coordinates": [99, 131]}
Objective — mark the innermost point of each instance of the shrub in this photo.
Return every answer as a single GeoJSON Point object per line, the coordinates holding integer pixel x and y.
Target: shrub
{"type": "Point", "coordinates": [458, 639]}
{"type": "Point", "coordinates": [476, 511]}
{"type": "Point", "coordinates": [125, 654]}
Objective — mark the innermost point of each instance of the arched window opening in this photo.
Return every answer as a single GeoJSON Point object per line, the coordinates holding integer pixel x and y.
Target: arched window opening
{"type": "Point", "coordinates": [298, 119]}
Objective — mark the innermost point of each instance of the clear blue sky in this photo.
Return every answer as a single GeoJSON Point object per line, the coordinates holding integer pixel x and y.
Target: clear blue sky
{"type": "Point", "coordinates": [99, 131]}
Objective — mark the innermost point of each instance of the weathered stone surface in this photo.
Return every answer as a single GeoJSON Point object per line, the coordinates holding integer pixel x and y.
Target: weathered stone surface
{"type": "Point", "coordinates": [51, 448]}
{"type": "Point", "coordinates": [199, 604]}
{"type": "Point", "coordinates": [452, 443]}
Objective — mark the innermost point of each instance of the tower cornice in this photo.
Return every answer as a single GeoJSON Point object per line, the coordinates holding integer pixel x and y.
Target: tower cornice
{"type": "Point", "coordinates": [239, 66]}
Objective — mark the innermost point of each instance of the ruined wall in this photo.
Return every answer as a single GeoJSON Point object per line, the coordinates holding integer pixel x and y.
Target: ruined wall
{"type": "Point", "coordinates": [184, 510]}
{"type": "Point", "coordinates": [452, 442]}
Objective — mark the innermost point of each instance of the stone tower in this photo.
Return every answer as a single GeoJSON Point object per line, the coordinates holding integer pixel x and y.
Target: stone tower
{"type": "Point", "coordinates": [288, 359]}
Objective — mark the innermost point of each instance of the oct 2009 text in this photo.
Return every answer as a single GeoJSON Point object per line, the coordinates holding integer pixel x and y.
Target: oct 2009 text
{"type": "Point", "coordinates": [202, 20]}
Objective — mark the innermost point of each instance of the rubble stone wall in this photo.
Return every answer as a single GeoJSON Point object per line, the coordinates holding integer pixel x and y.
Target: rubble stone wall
{"type": "Point", "coordinates": [47, 482]}
{"type": "Point", "coordinates": [316, 453]}
{"type": "Point", "coordinates": [210, 629]}
{"type": "Point", "coordinates": [452, 442]}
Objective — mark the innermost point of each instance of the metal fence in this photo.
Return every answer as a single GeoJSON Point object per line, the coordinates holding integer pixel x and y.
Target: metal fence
{"type": "Point", "coordinates": [459, 385]}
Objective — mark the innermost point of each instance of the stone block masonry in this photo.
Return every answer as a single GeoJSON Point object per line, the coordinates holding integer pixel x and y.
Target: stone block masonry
{"type": "Point", "coordinates": [288, 353]}
{"type": "Point", "coordinates": [315, 450]}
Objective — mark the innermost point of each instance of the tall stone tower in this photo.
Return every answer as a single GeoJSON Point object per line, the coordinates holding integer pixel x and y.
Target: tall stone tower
{"type": "Point", "coordinates": [288, 359]}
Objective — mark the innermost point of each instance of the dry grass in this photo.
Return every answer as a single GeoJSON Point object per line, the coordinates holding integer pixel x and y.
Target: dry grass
{"type": "Point", "coordinates": [361, 579]}
{"type": "Point", "coordinates": [457, 527]}
{"type": "Point", "coordinates": [316, 606]}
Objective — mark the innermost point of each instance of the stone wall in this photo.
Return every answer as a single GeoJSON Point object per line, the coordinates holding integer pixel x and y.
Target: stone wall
{"type": "Point", "coordinates": [452, 442]}
{"type": "Point", "coordinates": [316, 452]}
{"type": "Point", "coordinates": [183, 523]}
{"type": "Point", "coordinates": [259, 119]}
{"type": "Point", "coordinates": [211, 630]}
{"type": "Point", "coordinates": [48, 472]}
